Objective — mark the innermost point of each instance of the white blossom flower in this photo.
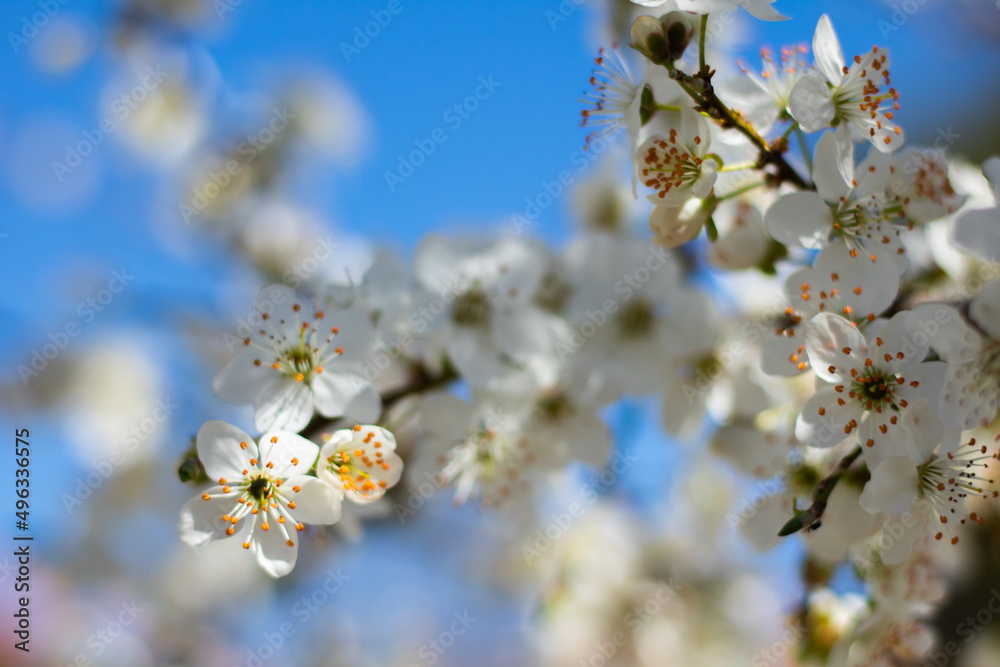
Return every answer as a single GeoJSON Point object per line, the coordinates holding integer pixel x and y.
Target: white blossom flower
{"type": "Point", "coordinates": [298, 361]}
{"type": "Point", "coordinates": [858, 97]}
{"type": "Point", "coordinates": [933, 486]}
{"type": "Point", "coordinates": [744, 244]}
{"type": "Point", "coordinates": [873, 378]}
{"type": "Point", "coordinates": [673, 226]}
{"type": "Point", "coordinates": [617, 100]}
{"type": "Point", "coordinates": [759, 9]}
{"type": "Point", "coordinates": [360, 463]}
{"type": "Point", "coordinates": [921, 186]}
{"type": "Point", "coordinates": [674, 163]}
{"type": "Point", "coordinates": [971, 394]}
{"type": "Point", "coordinates": [978, 231]}
{"type": "Point", "coordinates": [855, 210]}
{"type": "Point", "coordinates": [483, 316]}
{"type": "Point", "coordinates": [765, 101]}
{"type": "Point", "coordinates": [475, 448]}
{"type": "Point", "coordinates": [853, 287]}
{"type": "Point", "coordinates": [264, 494]}
{"type": "Point", "coordinates": [630, 315]}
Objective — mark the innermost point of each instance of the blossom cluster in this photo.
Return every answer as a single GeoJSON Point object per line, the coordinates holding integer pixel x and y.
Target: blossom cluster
{"type": "Point", "coordinates": [868, 387]}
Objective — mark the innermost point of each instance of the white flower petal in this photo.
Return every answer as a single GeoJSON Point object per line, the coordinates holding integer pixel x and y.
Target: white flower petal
{"type": "Point", "coordinates": [832, 170]}
{"type": "Point", "coordinates": [892, 487]}
{"type": "Point", "coordinates": [339, 394]}
{"type": "Point", "coordinates": [799, 219]}
{"type": "Point", "coordinates": [287, 407]}
{"type": "Point", "coordinates": [985, 309]}
{"type": "Point", "coordinates": [271, 547]}
{"type": "Point", "coordinates": [246, 377]}
{"type": "Point", "coordinates": [824, 419]}
{"type": "Point", "coordinates": [827, 52]}
{"type": "Point", "coordinates": [219, 449]}
{"type": "Point", "coordinates": [288, 453]}
{"type": "Point", "coordinates": [835, 346]}
{"type": "Point", "coordinates": [201, 520]}
{"type": "Point", "coordinates": [316, 502]}
{"type": "Point", "coordinates": [811, 102]}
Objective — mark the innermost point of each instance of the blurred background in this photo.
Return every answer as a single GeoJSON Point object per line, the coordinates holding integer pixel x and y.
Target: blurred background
{"type": "Point", "coordinates": [127, 251]}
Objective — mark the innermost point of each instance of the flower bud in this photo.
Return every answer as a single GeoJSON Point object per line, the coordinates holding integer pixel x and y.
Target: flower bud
{"type": "Point", "coordinates": [673, 226]}
{"type": "Point", "coordinates": [650, 39]}
{"type": "Point", "coordinates": [662, 40]}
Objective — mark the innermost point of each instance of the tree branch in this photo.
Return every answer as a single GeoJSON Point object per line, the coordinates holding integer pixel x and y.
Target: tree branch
{"type": "Point", "coordinates": [810, 519]}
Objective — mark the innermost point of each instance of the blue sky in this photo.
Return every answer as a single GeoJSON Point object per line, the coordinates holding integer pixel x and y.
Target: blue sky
{"type": "Point", "coordinates": [429, 57]}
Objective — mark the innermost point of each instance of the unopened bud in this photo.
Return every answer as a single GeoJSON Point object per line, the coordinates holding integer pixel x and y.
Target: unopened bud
{"type": "Point", "coordinates": [678, 27]}
{"type": "Point", "coordinates": [662, 40]}
{"type": "Point", "coordinates": [650, 39]}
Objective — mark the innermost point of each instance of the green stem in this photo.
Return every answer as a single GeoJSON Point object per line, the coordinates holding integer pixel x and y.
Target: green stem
{"type": "Point", "coordinates": [666, 107]}
{"type": "Point", "coordinates": [810, 518]}
{"type": "Point", "coordinates": [803, 147]}
{"type": "Point", "coordinates": [711, 229]}
{"type": "Point", "coordinates": [791, 128]}
{"type": "Point", "coordinates": [717, 159]}
{"type": "Point", "coordinates": [701, 44]}
{"type": "Point", "coordinates": [738, 166]}
{"type": "Point", "coordinates": [738, 191]}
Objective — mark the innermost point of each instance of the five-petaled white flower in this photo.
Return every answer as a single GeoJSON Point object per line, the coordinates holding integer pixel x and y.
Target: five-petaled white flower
{"type": "Point", "coordinates": [932, 482]}
{"type": "Point", "coordinates": [674, 163]}
{"type": "Point", "coordinates": [360, 463]}
{"type": "Point", "coordinates": [264, 494]}
{"type": "Point", "coordinates": [856, 210]}
{"type": "Point", "coordinates": [873, 378]}
{"type": "Point", "coordinates": [858, 96]}
{"type": "Point", "coordinates": [296, 361]}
